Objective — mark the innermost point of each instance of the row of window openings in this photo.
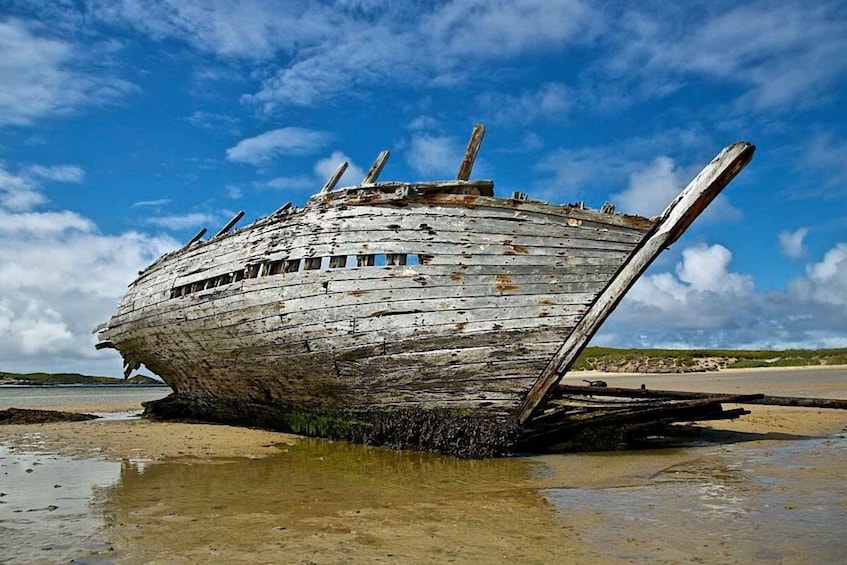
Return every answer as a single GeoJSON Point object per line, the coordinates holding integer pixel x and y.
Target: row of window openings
{"type": "Point", "coordinates": [295, 265]}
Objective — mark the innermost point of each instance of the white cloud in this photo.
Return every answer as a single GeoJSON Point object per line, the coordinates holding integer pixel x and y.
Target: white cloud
{"type": "Point", "coordinates": [826, 153]}
{"type": "Point", "coordinates": [422, 123]}
{"type": "Point", "coordinates": [825, 282]}
{"type": "Point", "coordinates": [211, 122]}
{"type": "Point", "coordinates": [704, 304]}
{"type": "Point", "coordinates": [248, 29]}
{"type": "Point", "coordinates": [781, 55]}
{"type": "Point", "coordinates": [153, 203]}
{"type": "Point", "coordinates": [702, 293]}
{"type": "Point", "coordinates": [302, 182]}
{"type": "Point", "coordinates": [60, 173]}
{"type": "Point", "coordinates": [792, 243]}
{"type": "Point", "coordinates": [38, 76]}
{"type": "Point", "coordinates": [324, 168]}
{"type": "Point", "coordinates": [17, 192]}
{"type": "Point", "coordinates": [482, 28]}
{"type": "Point", "coordinates": [182, 221]}
{"type": "Point", "coordinates": [21, 191]}
{"type": "Point", "coordinates": [43, 223]}
{"type": "Point", "coordinates": [274, 143]}
{"type": "Point", "coordinates": [653, 187]}
{"type": "Point", "coordinates": [434, 155]}
{"type": "Point", "coordinates": [650, 189]}
{"type": "Point", "coordinates": [551, 101]}
{"type": "Point", "coordinates": [440, 45]}
{"type": "Point", "coordinates": [59, 277]}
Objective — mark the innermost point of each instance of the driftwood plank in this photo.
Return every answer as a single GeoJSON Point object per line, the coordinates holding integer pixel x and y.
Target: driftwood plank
{"type": "Point", "coordinates": [769, 400]}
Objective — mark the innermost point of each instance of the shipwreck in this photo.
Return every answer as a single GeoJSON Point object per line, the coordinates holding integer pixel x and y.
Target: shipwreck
{"type": "Point", "coordinates": [426, 315]}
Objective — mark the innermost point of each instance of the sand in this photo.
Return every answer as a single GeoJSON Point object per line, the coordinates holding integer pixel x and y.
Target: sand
{"type": "Point", "coordinates": [123, 438]}
{"type": "Point", "coordinates": [245, 495]}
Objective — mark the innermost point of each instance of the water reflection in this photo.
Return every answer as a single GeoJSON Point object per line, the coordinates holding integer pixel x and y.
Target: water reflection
{"type": "Point", "coordinates": [46, 506]}
{"type": "Point", "coordinates": [320, 499]}
{"type": "Point", "coordinates": [326, 502]}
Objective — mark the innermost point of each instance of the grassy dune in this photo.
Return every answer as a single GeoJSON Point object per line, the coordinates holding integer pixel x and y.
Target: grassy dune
{"type": "Point", "coordinates": [674, 360]}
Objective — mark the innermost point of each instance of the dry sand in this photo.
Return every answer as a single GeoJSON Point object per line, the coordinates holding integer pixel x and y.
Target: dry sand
{"type": "Point", "coordinates": [333, 503]}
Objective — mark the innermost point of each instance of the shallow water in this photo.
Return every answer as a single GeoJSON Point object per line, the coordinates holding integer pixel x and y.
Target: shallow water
{"type": "Point", "coordinates": [48, 507]}
{"type": "Point", "coordinates": [81, 398]}
{"type": "Point", "coordinates": [329, 502]}
{"type": "Point", "coordinates": [777, 499]}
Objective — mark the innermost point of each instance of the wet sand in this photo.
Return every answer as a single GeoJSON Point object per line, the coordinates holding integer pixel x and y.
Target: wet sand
{"type": "Point", "coordinates": [766, 488]}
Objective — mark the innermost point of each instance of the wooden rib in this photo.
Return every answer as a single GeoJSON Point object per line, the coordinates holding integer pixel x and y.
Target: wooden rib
{"type": "Point", "coordinates": [333, 180]}
{"type": "Point", "coordinates": [674, 220]}
{"type": "Point", "coordinates": [196, 238]}
{"type": "Point", "coordinates": [376, 168]}
{"type": "Point", "coordinates": [471, 152]}
{"type": "Point", "coordinates": [230, 224]}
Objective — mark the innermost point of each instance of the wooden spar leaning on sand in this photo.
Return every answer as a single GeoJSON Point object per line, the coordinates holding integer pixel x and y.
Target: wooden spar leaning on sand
{"type": "Point", "coordinates": [430, 315]}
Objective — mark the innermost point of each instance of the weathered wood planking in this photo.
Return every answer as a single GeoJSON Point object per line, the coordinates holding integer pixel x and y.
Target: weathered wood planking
{"type": "Point", "coordinates": [674, 220]}
{"type": "Point", "coordinates": [297, 312]}
{"type": "Point", "coordinates": [329, 328]}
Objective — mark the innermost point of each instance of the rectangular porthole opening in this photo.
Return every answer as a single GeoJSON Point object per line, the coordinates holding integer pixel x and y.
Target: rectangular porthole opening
{"type": "Point", "coordinates": [275, 267]}
{"type": "Point", "coordinates": [291, 266]}
{"type": "Point", "coordinates": [252, 271]}
{"type": "Point", "coordinates": [395, 259]}
{"type": "Point", "coordinates": [312, 264]}
{"type": "Point", "coordinates": [338, 261]}
{"type": "Point", "coordinates": [425, 259]}
{"type": "Point", "coordinates": [365, 260]}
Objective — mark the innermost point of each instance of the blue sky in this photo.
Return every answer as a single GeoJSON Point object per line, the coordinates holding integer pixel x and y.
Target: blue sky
{"type": "Point", "coordinates": [126, 126]}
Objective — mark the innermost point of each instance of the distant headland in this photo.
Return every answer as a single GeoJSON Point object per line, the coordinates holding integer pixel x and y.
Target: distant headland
{"type": "Point", "coordinates": [59, 379]}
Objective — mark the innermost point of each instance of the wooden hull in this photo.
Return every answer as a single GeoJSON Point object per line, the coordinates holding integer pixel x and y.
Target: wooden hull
{"type": "Point", "coordinates": [497, 286]}
{"type": "Point", "coordinates": [380, 305]}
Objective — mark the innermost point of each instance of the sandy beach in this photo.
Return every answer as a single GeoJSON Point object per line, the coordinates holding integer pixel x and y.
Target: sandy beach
{"type": "Point", "coordinates": [191, 492]}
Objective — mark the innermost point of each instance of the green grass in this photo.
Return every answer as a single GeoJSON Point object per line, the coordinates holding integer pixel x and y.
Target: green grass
{"type": "Point", "coordinates": [594, 357]}
{"type": "Point", "coordinates": [71, 379]}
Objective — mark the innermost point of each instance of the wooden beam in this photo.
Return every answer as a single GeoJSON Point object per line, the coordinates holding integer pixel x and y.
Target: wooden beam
{"type": "Point", "coordinates": [333, 180]}
{"type": "Point", "coordinates": [196, 238]}
{"type": "Point", "coordinates": [376, 168]}
{"type": "Point", "coordinates": [672, 223]}
{"type": "Point", "coordinates": [230, 224]}
{"type": "Point", "coordinates": [282, 209]}
{"type": "Point", "coordinates": [764, 399]}
{"type": "Point", "coordinates": [470, 153]}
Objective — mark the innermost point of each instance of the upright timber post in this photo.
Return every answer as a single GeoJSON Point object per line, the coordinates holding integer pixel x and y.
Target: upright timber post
{"type": "Point", "coordinates": [470, 153]}
{"type": "Point", "coordinates": [196, 238]}
{"type": "Point", "coordinates": [375, 170]}
{"type": "Point", "coordinates": [333, 180]}
{"type": "Point", "coordinates": [672, 223]}
{"type": "Point", "coordinates": [230, 224]}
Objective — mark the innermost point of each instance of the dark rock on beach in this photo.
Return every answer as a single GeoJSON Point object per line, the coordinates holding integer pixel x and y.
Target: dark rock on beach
{"type": "Point", "coordinates": [25, 416]}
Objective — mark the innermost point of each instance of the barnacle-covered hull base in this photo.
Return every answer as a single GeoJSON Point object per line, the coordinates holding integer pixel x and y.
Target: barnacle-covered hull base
{"type": "Point", "coordinates": [422, 315]}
